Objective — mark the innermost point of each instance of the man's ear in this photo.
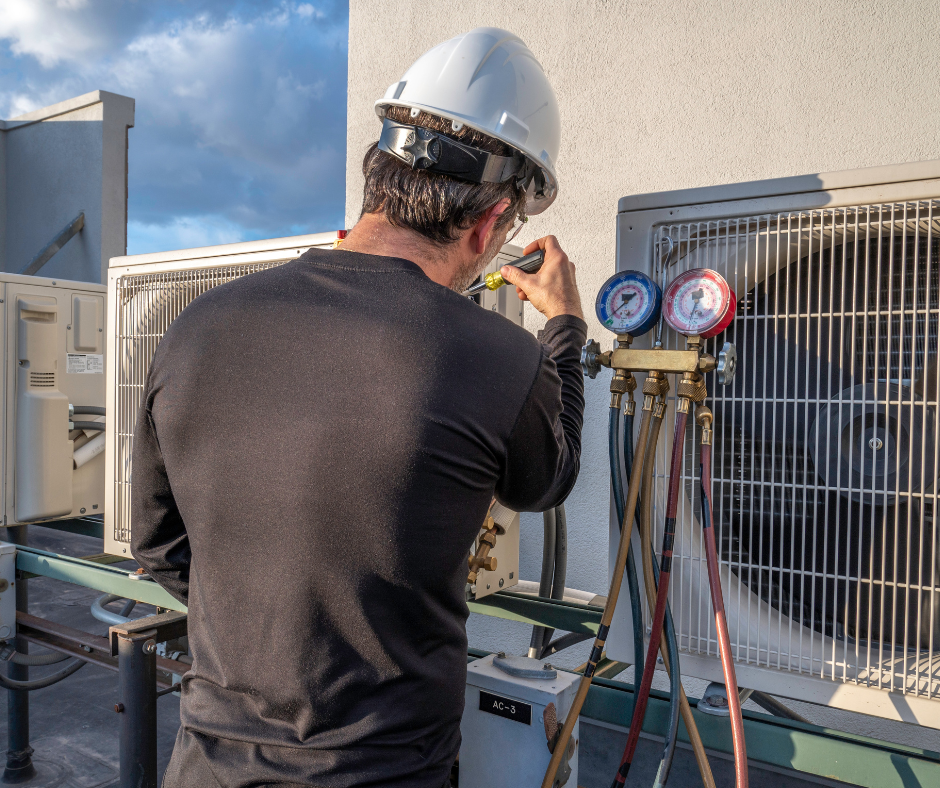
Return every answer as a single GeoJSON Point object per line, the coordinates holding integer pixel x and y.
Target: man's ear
{"type": "Point", "coordinates": [479, 235]}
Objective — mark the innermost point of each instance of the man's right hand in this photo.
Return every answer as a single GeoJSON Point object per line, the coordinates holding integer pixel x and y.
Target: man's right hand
{"type": "Point", "coordinates": [552, 290]}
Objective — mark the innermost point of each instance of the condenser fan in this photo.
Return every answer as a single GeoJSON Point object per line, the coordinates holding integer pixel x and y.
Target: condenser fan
{"type": "Point", "coordinates": [827, 443]}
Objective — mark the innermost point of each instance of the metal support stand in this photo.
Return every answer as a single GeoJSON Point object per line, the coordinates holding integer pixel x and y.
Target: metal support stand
{"type": "Point", "coordinates": [19, 764]}
{"type": "Point", "coordinates": [135, 644]}
{"type": "Point", "coordinates": [137, 663]}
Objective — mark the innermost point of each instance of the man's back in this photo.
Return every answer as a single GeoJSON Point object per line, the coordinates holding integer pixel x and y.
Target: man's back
{"type": "Point", "coordinates": [325, 438]}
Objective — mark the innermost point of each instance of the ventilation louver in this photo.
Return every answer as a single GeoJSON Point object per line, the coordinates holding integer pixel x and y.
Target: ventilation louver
{"type": "Point", "coordinates": [826, 452]}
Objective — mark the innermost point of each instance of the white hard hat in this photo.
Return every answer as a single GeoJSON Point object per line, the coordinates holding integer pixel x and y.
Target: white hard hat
{"type": "Point", "coordinates": [489, 80]}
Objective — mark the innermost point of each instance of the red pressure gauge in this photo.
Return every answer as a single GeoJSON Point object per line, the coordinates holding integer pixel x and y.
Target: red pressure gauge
{"type": "Point", "coordinates": [699, 302]}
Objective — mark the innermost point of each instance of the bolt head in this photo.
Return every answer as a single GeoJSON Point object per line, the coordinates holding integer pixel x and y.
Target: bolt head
{"type": "Point", "coordinates": [118, 707]}
{"type": "Point", "coordinates": [150, 646]}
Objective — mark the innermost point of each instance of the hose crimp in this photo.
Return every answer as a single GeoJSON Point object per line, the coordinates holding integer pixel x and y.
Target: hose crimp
{"type": "Point", "coordinates": [629, 407]}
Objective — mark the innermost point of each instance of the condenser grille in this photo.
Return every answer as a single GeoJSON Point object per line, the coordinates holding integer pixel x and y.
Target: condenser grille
{"type": "Point", "coordinates": [147, 304]}
{"type": "Point", "coordinates": [826, 445]}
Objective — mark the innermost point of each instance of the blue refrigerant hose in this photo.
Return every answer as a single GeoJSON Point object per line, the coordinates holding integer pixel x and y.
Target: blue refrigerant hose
{"type": "Point", "coordinates": [616, 477]}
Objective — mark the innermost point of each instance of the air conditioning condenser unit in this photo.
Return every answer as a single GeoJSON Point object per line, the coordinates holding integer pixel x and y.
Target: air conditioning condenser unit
{"type": "Point", "coordinates": [827, 443]}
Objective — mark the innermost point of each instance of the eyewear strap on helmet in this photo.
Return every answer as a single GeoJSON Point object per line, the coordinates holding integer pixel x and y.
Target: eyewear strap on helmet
{"type": "Point", "coordinates": [423, 149]}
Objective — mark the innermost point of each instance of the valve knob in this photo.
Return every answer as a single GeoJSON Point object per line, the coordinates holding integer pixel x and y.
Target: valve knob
{"type": "Point", "coordinates": [589, 363]}
{"type": "Point", "coordinates": [727, 364]}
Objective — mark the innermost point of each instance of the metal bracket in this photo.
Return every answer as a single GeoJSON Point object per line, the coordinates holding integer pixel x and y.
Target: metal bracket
{"type": "Point", "coordinates": [161, 627]}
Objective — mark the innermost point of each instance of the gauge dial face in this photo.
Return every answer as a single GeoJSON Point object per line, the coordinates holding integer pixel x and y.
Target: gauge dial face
{"type": "Point", "coordinates": [700, 302]}
{"type": "Point", "coordinates": [629, 303]}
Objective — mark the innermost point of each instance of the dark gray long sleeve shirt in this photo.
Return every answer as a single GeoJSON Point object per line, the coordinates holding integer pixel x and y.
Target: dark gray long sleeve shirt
{"type": "Point", "coordinates": [317, 448]}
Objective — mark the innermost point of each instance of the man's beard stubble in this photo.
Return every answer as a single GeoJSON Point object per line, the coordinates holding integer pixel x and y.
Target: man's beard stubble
{"type": "Point", "coordinates": [470, 272]}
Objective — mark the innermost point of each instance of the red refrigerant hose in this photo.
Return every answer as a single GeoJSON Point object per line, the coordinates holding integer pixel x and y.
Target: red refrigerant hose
{"type": "Point", "coordinates": [659, 613]}
{"type": "Point", "coordinates": [721, 623]}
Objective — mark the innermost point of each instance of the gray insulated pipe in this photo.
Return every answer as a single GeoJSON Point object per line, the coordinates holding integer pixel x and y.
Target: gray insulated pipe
{"type": "Point", "coordinates": [545, 581]}
{"type": "Point", "coordinates": [554, 571]}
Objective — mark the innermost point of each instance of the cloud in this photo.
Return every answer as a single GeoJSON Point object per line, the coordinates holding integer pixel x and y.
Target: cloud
{"type": "Point", "coordinates": [185, 232]}
{"type": "Point", "coordinates": [49, 30]}
{"type": "Point", "coordinates": [241, 109]}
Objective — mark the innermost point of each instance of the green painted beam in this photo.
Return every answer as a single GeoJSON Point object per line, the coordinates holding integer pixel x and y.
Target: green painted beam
{"type": "Point", "coordinates": [106, 579]}
{"type": "Point", "coordinates": [566, 616]}
{"type": "Point", "coordinates": [786, 744]}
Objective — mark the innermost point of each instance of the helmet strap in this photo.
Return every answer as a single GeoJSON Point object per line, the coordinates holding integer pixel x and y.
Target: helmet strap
{"type": "Point", "coordinates": [423, 149]}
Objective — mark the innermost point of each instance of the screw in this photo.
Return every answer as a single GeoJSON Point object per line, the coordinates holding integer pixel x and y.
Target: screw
{"type": "Point", "coordinates": [119, 707]}
{"type": "Point", "coordinates": [875, 443]}
{"type": "Point", "coordinates": [86, 649]}
{"type": "Point", "coordinates": [68, 328]}
{"type": "Point", "coordinates": [501, 654]}
{"type": "Point", "coordinates": [150, 646]}
{"type": "Point", "coordinates": [500, 582]}
{"type": "Point", "coordinates": [547, 666]}
{"type": "Point", "coordinates": [82, 510]}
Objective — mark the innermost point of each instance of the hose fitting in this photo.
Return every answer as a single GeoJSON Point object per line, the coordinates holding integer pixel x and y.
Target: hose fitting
{"type": "Point", "coordinates": [654, 386]}
{"type": "Point", "coordinates": [621, 383]}
{"type": "Point", "coordinates": [704, 418]}
{"type": "Point", "coordinates": [690, 389]}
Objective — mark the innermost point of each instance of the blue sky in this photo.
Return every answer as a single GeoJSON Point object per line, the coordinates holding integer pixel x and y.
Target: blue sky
{"type": "Point", "coordinates": [241, 106]}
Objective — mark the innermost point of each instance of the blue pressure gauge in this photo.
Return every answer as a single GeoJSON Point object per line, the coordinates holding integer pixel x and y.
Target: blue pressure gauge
{"type": "Point", "coordinates": [629, 303]}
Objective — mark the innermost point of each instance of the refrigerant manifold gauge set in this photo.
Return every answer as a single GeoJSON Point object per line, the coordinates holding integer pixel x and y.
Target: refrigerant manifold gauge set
{"type": "Point", "coordinates": [699, 305]}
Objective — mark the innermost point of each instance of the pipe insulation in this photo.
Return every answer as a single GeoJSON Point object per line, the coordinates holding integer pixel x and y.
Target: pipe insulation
{"type": "Point", "coordinates": [88, 451]}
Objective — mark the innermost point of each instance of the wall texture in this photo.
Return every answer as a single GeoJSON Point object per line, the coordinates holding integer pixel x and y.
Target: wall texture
{"type": "Point", "coordinates": [57, 162]}
{"type": "Point", "coordinates": [660, 95]}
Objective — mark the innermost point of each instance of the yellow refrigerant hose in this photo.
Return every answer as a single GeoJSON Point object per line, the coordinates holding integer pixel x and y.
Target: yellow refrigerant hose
{"type": "Point", "coordinates": [646, 540]}
{"type": "Point", "coordinates": [629, 511]}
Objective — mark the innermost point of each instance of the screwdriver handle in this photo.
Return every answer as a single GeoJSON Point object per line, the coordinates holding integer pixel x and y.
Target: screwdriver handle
{"type": "Point", "coordinates": [530, 264]}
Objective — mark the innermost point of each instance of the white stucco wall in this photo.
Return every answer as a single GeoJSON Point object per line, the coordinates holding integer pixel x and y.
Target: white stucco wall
{"type": "Point", "coordinates": [57, 162]}
{"type": "Point", "coordinates": [660, 95]}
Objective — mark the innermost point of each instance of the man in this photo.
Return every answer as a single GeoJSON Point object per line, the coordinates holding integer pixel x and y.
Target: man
{"type": "Point", "coordinates": [320, 442]}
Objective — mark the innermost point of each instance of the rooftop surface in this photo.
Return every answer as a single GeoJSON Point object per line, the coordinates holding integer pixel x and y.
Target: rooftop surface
{"type": "Point", "coordinates": [74, 729]}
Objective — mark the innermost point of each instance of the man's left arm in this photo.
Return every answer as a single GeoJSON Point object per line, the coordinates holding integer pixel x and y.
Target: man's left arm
{"type": "Point", "coordinates": [158, 536]}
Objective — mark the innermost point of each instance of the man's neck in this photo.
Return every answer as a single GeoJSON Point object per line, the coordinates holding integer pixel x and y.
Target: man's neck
{"type": "Point", "coordinates": [374, 235]}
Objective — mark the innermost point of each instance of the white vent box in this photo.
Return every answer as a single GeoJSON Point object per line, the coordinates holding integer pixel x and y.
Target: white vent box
{"type": "Point", "coordinates": [504, 742]}
{"type": "Point", "coordinates": [147, 292]}
{"type": "Point", "coordinates": [52, 333]}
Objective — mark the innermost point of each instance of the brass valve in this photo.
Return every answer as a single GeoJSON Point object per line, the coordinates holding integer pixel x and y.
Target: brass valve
{"type": "Point", "coordinates": [482, 559]}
